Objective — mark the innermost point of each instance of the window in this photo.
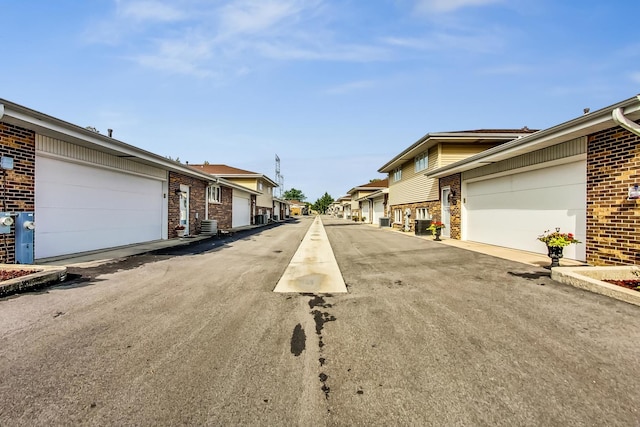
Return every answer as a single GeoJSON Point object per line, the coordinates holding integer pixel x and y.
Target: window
{"type": "Point", "coordinates": [397, 174]}
{"type": "Point", "coordinates": [260, 185]}
{"type": "Point", "coordinates": [397, 216]}
{"type": "Point", "coordinates": [422, 213]}
{"type": "Point", "coordinates": [422, 161]}
{"type": "Point", "coordinates": [213, 194]}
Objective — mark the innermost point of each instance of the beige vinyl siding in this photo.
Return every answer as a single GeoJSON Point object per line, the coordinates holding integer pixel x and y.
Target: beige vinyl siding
{"type": "Point", "coordinates": [571, 148]}
{"type": "Point", "coordinates": [451, 153]}
{"type": "Point", "coordinates": [250, 183]}
{"type": "Point", "coordinates": [62, 150]}
{"type": "Point", "coordinates": [415, 187]}
{"type": "Point", "coordinates": [265, 199]}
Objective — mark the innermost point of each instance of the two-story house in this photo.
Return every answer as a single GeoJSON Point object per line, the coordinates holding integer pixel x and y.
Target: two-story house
{"type": "Point", "coordinates": [259, 211]}
{"type": "Point", "coordinates": [412, 195]}
{"type": "Point", "coordinates": [361, 207]}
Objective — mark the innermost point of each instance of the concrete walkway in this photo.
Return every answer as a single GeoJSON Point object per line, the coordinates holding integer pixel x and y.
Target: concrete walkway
{"type": "Point", "coordinates": [313, 268]}
{"type": "Point", "coordinates": [531, 258]}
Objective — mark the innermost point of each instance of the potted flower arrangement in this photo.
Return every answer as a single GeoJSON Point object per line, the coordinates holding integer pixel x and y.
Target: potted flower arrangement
{"type": "Point", "coordinates": [556, 241]}
{"type": "Point", "coordinates": [436, 229]}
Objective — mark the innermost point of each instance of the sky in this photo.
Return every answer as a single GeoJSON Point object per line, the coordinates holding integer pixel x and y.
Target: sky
{"type": "Point", "coordinates": [335, 88]}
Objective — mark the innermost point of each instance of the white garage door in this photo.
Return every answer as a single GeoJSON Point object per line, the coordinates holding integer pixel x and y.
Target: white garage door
{"type": "Point", "coordinates": [82, 208]}
{"type": "Point", "coordinates": [378, 211]}
{"type": "Point", "coordinates": [512, 210]}
{"type": "Point", "coordinates": [241, 209]}
{"type": "Point", "coordinates": [365, 210]}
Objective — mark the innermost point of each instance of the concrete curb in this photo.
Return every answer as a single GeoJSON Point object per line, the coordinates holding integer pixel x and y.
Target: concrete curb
{"type": "Point", "coordinates": [44, 276]}
{"type": "Point", "coordinates": [589, 279]}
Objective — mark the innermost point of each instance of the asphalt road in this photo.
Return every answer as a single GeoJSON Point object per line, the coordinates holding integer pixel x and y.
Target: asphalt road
{"type": "Point", "coordinates": [428, 335]}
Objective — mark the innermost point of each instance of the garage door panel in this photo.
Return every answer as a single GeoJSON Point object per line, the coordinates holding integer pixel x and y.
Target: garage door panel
{"type": "Point", "coordinates": [537, 201]}
{"type": "Point", "coordinates": [241, 209]}
{"type": "Point", "coordinates": [81, 208]}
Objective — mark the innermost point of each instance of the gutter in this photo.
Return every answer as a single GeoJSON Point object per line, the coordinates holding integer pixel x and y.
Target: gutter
{"type": "Point", "coordinates": [622, 121]}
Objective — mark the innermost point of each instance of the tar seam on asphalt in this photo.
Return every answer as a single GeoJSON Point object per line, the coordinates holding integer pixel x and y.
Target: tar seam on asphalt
{"type": "Point", "coordinates": [320, 318]}
{"type": "Point", "coordinates": [298, 340]}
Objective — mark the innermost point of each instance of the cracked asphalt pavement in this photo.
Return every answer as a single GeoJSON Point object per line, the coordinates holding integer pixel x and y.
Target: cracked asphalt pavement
{"type": "Point", "coordinates": [428, 334]}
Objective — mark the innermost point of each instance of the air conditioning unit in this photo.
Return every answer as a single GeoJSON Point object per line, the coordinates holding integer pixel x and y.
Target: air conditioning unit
{"type": "Point", "coordinates": [209, 226]}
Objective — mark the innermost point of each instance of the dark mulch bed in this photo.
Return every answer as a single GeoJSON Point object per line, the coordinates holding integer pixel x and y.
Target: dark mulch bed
{"type": "Point", "coordinates": [13, 274]}
{"type": "Point", "coordinates": [634, 285]}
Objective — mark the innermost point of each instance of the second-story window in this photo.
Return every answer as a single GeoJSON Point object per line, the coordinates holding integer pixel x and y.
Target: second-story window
{"type": "Point", "coordinates": [397, 174]}
{"type": "Point", "coordinates": [260, 186]}
{"type": "Point", "coordinates": [422, 161]}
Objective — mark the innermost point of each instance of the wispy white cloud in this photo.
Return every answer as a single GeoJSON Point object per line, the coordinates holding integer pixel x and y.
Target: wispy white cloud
{"type": "Point", "coordinates": [327, 52]}
{"type": "Point", "coordinates": [149, 10]}
{"type": "Point", "coordinates": [445, 6]}
{"type": "Point", "coordinates": [250, 16]}
{"type": "Point", "coordinates": [193, 37]}
{"type": "Point", "coordinates": [508, 69]}
{"type": "Point", "coordinates": [188, 55]}
{"type": "Point", "coordinates": [449, 40]}
{"type": "Point", "coordinates": [351, 87]}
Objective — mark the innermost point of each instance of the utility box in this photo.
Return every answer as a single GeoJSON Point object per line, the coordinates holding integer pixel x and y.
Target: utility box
{"type": "Point", "coordinates": [25, 237]}
{"type": "Point", "coordinates": [422, 226]}
{"type": "Point", "coordinates": [6, 221]}
{"type": "Point", "coordinates": [384, 222]}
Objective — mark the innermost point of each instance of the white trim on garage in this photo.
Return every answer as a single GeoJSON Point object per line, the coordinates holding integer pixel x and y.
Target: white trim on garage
{"type": "Point", "coordinates": [512, 209]}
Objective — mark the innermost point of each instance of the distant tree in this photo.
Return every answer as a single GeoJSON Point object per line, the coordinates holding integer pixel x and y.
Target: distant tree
{"type": "Point", "coordinates": [92, 129]}
{"type": "Point", "coordinates": [206, 163]}
{"type": "Point", "coordinates": [294, 194]}
{"type": "Point", "coordinates": [177, 159]}
{"type": "Point", "coordinates": [322, 204]}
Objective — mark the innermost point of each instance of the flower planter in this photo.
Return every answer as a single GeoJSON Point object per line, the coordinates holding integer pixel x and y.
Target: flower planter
{"type": "Point", "coordinates": [555, 253]}
{"type": "Point", "coordinates": [437, 234]}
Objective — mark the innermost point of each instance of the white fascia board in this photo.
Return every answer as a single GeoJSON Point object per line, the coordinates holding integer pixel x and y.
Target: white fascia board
{"type": "Point", "coordinates": [59, 129]}
{"type": "Point", "coordinates": [581, 126]}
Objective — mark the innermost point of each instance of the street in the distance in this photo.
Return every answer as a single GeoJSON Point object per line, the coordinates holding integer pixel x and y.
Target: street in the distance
{"type": "Point", "coordinates": [427, 334]}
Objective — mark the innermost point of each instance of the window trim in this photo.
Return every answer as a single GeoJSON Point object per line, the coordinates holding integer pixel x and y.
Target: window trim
{"type": "Point", "coordinates": [397, 174]}
{"type": "Point", "coordinates": [397, 216]}
{"type": "Point", "coordinates": [214, 192]}
{"type": "Point", "coordinates": [421, 161]}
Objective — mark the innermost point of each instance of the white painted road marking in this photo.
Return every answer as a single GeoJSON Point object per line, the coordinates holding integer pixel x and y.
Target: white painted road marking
{"type": "Point", "coordinates": [313, 268]}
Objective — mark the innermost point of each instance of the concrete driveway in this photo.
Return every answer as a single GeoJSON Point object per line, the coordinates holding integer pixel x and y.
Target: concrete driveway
{"type": "Point", "coordinates": [428, 334]}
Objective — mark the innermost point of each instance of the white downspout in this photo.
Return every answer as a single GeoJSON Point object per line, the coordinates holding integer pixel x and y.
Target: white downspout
{"type": "Point", "coordinates": [1, 111]}
{"type": "Point", "coordinates": [619, 117]}
{"type": "Point", "coordinates": [206, 202]}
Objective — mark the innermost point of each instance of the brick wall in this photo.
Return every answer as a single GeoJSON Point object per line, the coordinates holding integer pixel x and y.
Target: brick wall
{"type": "Point", "coordinates": [453, 181]}
{"type": "Point", "coordinates": [197, 192]}
{"type": "Point", "coordinates": [613, 222]}
{"type": "Point", "coordinates": [18, 185]}
{"type": "Point", "coordinates": [433, 208]}
{"type": "Point", "coordinates": [222, 212]}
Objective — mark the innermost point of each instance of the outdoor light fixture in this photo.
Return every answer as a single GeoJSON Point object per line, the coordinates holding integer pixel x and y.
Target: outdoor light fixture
{"type": "Point", "coordinates": [451, 198]}
{"type": "Point", "coordinates": [178, 191]}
